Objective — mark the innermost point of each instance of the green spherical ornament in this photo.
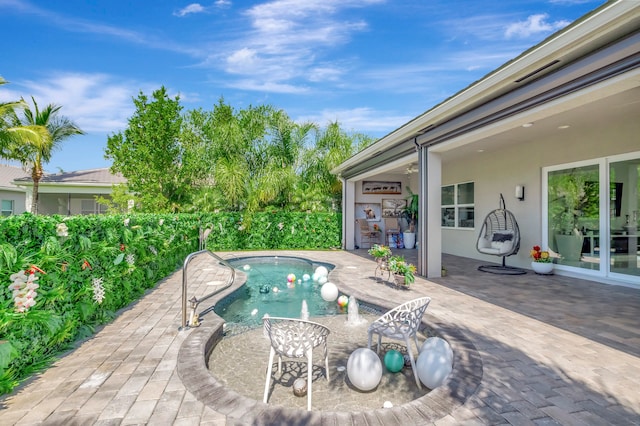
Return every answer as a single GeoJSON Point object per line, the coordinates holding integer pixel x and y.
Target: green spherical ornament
{"type": "Point", "coordinates": [394, 361]}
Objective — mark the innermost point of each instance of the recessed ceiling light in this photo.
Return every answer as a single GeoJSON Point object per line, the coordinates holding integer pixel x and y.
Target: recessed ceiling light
{"type": "Point", "coordinates": [527, 125]}
{"type": "Point", "coordinates": [564, 126]}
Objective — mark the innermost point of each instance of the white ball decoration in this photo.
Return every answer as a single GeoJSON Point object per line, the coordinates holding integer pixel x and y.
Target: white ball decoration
{"type": "Point", "coordinates": [322, 279]}
{"type": "Point", "coordinates": [439, 345]}
{"type": "Point", "coordinates": [315, 276]}
{"type": "Point", "coordinates": [364, 369]}
{"type": "Point", "coordinates": [329, 292]}
{"type": "Point", "coordinates": [433, 367]}
{"type": "Point", "coordinates": [300, 386]}
{"type": "Point", "coordinates": [306, 277]}
{"type": "Point", "coordinates": [322, 271]}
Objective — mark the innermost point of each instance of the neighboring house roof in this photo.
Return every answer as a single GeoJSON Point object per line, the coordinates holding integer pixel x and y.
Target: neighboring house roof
{"type": "Point", "coordinates": [8, 174]}
{"type": "Point", "coordinates": [92, 177]}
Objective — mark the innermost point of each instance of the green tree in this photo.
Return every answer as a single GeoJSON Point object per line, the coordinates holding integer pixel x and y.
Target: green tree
{"type": "Point", "coordinates": [46, 129]}
{"type": "Point", "coordinates": [150, 155]}
{"type": "Point", "coordinates": [331, 147]}
{"type": "Point", "coordinates": [12, 135]}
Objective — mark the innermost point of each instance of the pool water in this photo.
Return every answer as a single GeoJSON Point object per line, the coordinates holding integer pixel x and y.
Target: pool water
{"type": "Point", "coordinates": [258, 297]}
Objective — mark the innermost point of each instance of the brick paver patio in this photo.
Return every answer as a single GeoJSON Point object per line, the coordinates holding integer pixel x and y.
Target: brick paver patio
{"type": "Point", "coordinates": [530, 350]}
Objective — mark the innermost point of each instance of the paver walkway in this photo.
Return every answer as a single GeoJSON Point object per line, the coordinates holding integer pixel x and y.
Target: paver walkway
{"type": "Point", "coordinates": [553, 350]}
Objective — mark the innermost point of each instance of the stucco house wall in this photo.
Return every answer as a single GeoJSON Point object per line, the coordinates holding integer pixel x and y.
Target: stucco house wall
{"type": "Point", "coordinates": [522, 165]}
{"type": "Point", "coordinates": [9, 191]}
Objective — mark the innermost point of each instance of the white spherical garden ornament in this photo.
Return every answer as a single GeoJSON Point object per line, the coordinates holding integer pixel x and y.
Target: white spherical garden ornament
{"type": "Point", "coordinates": [364, 369]}
{"type": "Point", "coordinates": [433, 367]}
{"type": "Point", "coordinates": [322, 271]}
{"type": "Point", "coordinates": [329, 292]}
{"type": "Point", "coordinates": [439, 345]}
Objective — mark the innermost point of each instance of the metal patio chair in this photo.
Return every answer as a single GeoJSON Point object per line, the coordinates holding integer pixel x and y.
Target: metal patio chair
{"type": "Point", "coordinates": [401, 323]}
{"type": "Point", "coordinates": [295, 338]}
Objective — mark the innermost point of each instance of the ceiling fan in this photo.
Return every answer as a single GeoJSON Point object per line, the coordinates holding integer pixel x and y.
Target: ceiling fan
{"type": "Point", "coordinates": [413, 168]}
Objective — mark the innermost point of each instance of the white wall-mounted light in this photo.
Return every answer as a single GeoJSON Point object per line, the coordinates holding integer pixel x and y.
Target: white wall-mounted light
{"type": "Point", "coordinates": [519, 192]}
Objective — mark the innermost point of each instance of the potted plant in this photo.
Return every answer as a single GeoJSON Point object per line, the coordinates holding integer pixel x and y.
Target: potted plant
{"type": "Point", "coordinates": [379, 251]}
{"type": "Point", "coordinates": [410, 213]}
{"type": "Point", "coordinates": [542, 262]}
{"type": "Point", "coordinates": [403, 272]}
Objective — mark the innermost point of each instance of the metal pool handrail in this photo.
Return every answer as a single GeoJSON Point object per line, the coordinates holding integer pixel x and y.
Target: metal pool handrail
{"type": "Point", "coordinates": [194, 300]}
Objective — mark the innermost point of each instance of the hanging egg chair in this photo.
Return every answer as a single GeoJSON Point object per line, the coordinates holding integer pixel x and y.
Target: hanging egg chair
{"type": "Point", "coordinates": [500, 236]}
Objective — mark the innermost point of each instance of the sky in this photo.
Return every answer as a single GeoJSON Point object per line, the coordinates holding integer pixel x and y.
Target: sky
{"type": "Point", "coordinates": [370, 65]}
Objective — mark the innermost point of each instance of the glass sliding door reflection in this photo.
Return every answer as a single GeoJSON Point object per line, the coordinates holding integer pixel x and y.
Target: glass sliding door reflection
{"type": "Point", "coordinates": [624, 205]}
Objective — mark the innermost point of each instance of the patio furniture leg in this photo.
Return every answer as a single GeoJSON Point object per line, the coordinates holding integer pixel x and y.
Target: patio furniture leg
{"type": "Point", "coordinates": [269, 368]}
{"type": "Point", "coordinates": [326, 361]}
{"type": "Point", "coordinates": [309, 377]}
{"type": "Point", "coordinates": [413, 362]}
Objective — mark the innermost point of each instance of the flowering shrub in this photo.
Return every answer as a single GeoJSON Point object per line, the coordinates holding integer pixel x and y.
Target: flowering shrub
{"type": "Point", "coordinates": [399, 266]}
{"type": "Point", "coordinates": [540, 256]}
{"type": "Point", "coordinates": [98, 264]}
{"type": "Point", "coordinates": [24, 289]}
{"type": "Point", "coordinates": [379, 250]}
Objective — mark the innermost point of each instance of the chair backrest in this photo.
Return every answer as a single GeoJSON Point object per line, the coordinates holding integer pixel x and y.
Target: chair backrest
{"type": "Point", "coordinates": [364, 225]}
{"type": "Point", "coordinates": [500, 226]}
{"type": "Point", "coordinates": [408, 315]}
{"type": "Point", "coordinates": [293, 337]}
{"type": "Point", "coordinates": [391, 224]}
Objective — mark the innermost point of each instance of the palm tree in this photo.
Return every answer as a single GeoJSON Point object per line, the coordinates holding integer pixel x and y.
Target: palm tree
{"type": "Point", "coordinates": [10, 134]}
{"type": "Point", "coordinates": [34, 152]}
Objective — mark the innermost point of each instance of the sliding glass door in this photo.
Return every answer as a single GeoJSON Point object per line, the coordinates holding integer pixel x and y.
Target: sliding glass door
{"type": "Point", "coordinates": [624, 202]}
{"type": "Point", "coordinates": [593, 216]}
{"type": "Point", "coordinates": [574, 216]}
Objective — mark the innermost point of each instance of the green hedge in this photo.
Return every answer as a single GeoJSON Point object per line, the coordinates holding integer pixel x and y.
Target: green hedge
{"type": "Point", "coordinates": [102, 263]}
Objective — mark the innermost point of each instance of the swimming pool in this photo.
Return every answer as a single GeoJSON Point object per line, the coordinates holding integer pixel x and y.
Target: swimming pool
{"type": "Point", "coordinates": [267, 291]}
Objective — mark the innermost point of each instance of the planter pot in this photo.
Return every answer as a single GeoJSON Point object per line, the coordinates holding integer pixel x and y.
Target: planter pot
{"type": "Point", "coordinates": [409, 239]}
{"type": "Point", "coordinates": [542, 268]}
{"type": "Point", "coordinates": [399, 279]}
{"type": "Point", "coordinates": [569, 246]}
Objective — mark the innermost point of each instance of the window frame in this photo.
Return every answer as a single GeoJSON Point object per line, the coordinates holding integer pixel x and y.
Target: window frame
{"type": "Point", "coordinates": [10, 212]}
{"type": "Point", "coordinates": [456, 207]}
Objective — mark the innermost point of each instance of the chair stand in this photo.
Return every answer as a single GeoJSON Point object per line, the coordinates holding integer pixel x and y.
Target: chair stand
{"type": "Point", "coordinates": [294, 338]}
{"type": "Point", "coordinates": [502, 269]}
{"type": "Point", "coordinates": [401, 323]}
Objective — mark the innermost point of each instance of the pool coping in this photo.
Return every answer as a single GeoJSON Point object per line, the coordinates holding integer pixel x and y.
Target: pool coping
{"type": "Point", "coordinates": [192, 368]}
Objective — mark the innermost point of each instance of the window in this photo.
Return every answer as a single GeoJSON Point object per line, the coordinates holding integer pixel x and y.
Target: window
{"type": "Point", "coordinates": [92, 207]}
{"type": "Point", "coordinates": [7, 207]}
{"type": "Point", "coordinates": [458, 205]}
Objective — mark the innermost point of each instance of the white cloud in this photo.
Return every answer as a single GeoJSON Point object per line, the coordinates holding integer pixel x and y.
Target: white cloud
{"type": "Point", "coordinates": [534, 24]}
{"type": "Point", "coordinates": [360, 119]}
{"type": "Point", "coordinates": [267, 86]}
{"type": "Point", "coordinates": [286, 41]}
{"type": "Point", "coordinates": [95, 102]}
{"type": "Point", "coordinates": [192, 8]}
